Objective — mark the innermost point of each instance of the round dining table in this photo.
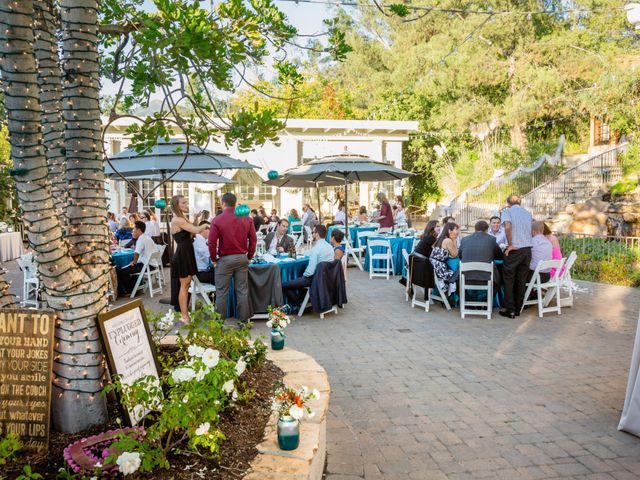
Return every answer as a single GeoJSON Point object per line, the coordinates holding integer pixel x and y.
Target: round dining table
{"type": "Point", "coordinates": [289, 268]}
{"type": "Point", "coordinates": [122, 258]}
{"type": "Point", "coordinates": [11, 246]}
{"type": "Point", "coordinates": [397, 245]}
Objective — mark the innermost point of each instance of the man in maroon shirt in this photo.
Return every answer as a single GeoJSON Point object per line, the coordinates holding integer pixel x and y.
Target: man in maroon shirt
{"type": "Point", "coordinates": [232, 243]}
{"type": "Point", "coordinates": [386, 214]}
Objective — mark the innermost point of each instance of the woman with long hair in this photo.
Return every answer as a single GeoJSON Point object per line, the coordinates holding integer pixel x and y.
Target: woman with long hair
{"type": "Point", "coordinates": [183, 265]}
{"type": "Point", "coordinates": [362, 214]}
{"type": "Point", "coordinates": [445, 248]}
{"type": "Point", "coordinates": [386, 214]}
{"type": "Point", "coordinates": [429, 237]}
{"type": "Point", "coordinates": [124, 232]}
{"type": "Point", "coordinates": [294, 217]}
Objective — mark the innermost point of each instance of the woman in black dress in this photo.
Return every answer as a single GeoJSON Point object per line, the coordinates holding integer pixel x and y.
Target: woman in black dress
{"type": "Point", "coordinates": [429, 237]}
{"type": "Point", "coordinates": [184, 264]}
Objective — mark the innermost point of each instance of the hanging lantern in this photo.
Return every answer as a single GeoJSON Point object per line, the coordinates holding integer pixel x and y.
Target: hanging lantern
{"type": "Point", "coordinates": [242, 210]}
{"type": "Point", "coordinates": [160, 203]}
{"type": "Point", "coordinates": [273, 174]}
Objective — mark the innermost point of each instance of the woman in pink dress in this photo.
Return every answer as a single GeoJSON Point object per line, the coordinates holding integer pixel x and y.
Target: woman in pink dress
{"type": "Point", "coordinates": [556, 253]}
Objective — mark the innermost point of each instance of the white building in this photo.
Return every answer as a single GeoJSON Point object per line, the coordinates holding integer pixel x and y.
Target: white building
{"type": "Point", "coordinates": [301, 141]}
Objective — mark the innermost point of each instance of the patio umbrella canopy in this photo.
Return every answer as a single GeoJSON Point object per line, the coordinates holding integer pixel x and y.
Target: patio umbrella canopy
{"type": "Point", "coordinates": [191, 177]}
{"type": "Point", "coordinates": [344, 168]}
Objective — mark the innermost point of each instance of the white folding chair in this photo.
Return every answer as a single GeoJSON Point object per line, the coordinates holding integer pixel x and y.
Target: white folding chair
{"type": "Point", "coordinates": [405, 261]}
{"type": "Point", "coordinates": [30, 280]}
{"type": "Point", "coordinates": [384, 230]}
{"type": "Point", "coordinates": [299, 241]}
{"type": "Point", "coordinates": [309, 233]}
{"type": "Point", "coordinates": [271, 227]}
{"type": "Point", "coordinates": [203, 289]}
{"type": "Point", "coordinates": [306, 301]}
{"type": "Point", "coordinates": [264, 229]}
{"type": "Point", "coordinates": [385, 256]}
{"type": "Point", "coordinates": [295, 228]}
{"type": "Point", "coordinates": [537, 284]}
{"type": "Point", "coordinates": [440, 296]}
{"type": "Point", "coordinates": [124, 243]}
{"type": "Point", "coordinates": [350, 250]}
{"type": "Point", "coordinates": [362, 241]}
{"type": "Point", "coordinates": [161, 249]}
{"type": "Point", "coordinates": [152, 273]}
{"type": "Point", "coordinates": [488, 288]}
{"type": "Point", "coordinates": [566, 283]}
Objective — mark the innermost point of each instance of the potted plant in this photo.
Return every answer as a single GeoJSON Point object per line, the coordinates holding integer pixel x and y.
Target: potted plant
{"type": "Point", "coordinates": [291, 405]}
{"type": "Point", "coordinates": [278, 321]}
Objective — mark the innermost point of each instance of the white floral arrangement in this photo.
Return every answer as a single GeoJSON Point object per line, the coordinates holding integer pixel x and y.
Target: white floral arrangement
{"type": "Point", "coordinates": [288, 401]}
{"type": "Point", "coordinates": [278, 320]}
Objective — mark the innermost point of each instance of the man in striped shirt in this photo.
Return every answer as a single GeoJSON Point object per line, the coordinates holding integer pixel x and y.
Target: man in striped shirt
{"type": "Point", "coordinates": [517, 257]}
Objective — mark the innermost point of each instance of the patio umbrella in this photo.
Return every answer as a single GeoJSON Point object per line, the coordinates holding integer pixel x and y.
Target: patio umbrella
{"type": "Point", "coordinates": [347, 168]}
{"type": "Point", "coordinates": [190, 177]}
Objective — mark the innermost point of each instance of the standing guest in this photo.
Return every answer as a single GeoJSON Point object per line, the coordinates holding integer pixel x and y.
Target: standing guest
{"type": "Point", "coordinates": [337, 236]}
{"type": "Point", "coordinates": [517, 228]}
{"type": "Point", "coordinates": [294, 217]}
{"type": "Point", "coordinates": [480, 247]}
{"type": "Point", "coordinates": [274, 216]}
{"type": "Point", "coordinates": [541, 249]}
{"type": "Point", "coordinates": [399, 202]}
{"type": "Point", "coordinates": [362, 214]}
{"type": "Point", "coordinates": [124, 213]}
{"type": "Point", "coordinates": [399, 215]}
{"type": "Point", "coordinates": [153, 228]}
{"type": "Point", "coordinates": [496, 230]}
{"type": "Point", "coordinates": [183, 265]}
{"type": "Point", "coordinates": [341, 217]}
{"type": "Point", "coordinates": [205, 216]}
{"type": "Point", "coordinates": [232, 244]}
{"type": "Point", "coordinates": [278, 239]}
{"type": "Point", "coordinates": [386, 214]}
{"type": "Point", "coordinates": [555, 243]}
{"type": "Point", "coordinates": [125, 231]}
{"type": "Point", "coordinates": [203, 257]}
{"type": "Point", "coordinates": [258, 220]}
{"type": "Point", "coordinates": [445, 248]}
{"type": "Point", "coordinates": [321, 252]}
{"type": "Point", "coordinates": [308, 215]}
{"type": "Point", "coordinates": [144, 248]}
{"type": "Point", "coordinates": [429, 237]}
{"type": "Point", "coordinates": [111, 222]}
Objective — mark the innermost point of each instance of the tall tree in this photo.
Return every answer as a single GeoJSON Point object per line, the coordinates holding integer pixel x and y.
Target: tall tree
{"type": "Point", "coordinates": [50, 70]}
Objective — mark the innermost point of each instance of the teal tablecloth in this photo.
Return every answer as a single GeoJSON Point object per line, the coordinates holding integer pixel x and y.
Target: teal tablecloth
{"type": "Point", "coordinates": [123, 258]}
{"type": "Point", "coordinates": [353, 233]}
{"type": "Point", "coordinates": [397, 245]}
{"type": "Point", "coordinates": [288, 271]}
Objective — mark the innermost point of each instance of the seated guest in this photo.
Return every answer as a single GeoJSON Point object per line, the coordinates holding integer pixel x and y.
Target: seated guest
{"type": "Point", "coordinates": [153, 228]}
{"type": "Point", "coordinates": [399, 215]}
{"type": "Point", "coordinates": [444, 249]}
{"type": "Point", "coordinates": [308, 215]}
{"type": "Point", "coordinates": [448, 219]}
{"type": "Point", "coordinates": [111, 221]}
{"type": "Point", "coordinates": [294, 217]}
{"type": "Point", "coordinates": [480, 247]}
{"type": "Point", "coordinates": [362, 214]}
{"type": "Point", "coordinates": [278, 239]}
{"type": "Point", "coordinates": [258, 219]}
{"type": "Point", "coordinates": [203, 257]}
{"type": "Point", "coordinates": [337, 236]}
{"type": "Point", "coordinates": [321, 252]}
{"type": "Point", "coordinates": [541, 249]}
{"type": "Point", "coordinates": [274, 216]}
{"type": "Point", "coordinates": [124, 213]}
{"type": "Point", "coordinates": [429, 237]}
{"type": "Point", "coordinates": [341, 217]}
{"type": "Point", "coordinates": [145, 246]}
{"type": "Point", "coordinates": [124, 232]}
{"type": "Point", "coordinates": [496, 230]}
{"type": "Point", "coordinates": [555, 243]}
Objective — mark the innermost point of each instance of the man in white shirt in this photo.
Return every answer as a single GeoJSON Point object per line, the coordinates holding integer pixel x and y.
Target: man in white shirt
{"type": "Point", "coordinates": [496, 230]}
{"type": "Point", "coordinates": [145, 246]}
{"type": "Point", "coordinates": [322, 251]}
{"type": "Point", "coordinates": [203, 257]}
{"type": "Point", "coordinates": [341, 216]}
{"type": "Point", "coordinates": [125, 213]}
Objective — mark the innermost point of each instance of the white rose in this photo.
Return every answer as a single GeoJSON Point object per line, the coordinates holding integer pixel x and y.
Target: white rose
{"type": "Point", "coordinates": [234, 395]}
{"type": "Point", "coordinates": [269, 323]}
{"type": "Point", "coordinates": [195, 351]}
{"type": "Point", "coordinates": [315, 393]}
{"type": "Point", "coordinates": [241, 366]}
{"type": "Point", "coordinates": [203, 428]}
{"type": "Point", "coordinates": [183, 374]}
{"type": "Point", "coordinates": [128, 462]}
{"type": "Point", "coordinates": [296, 412]}
{"type": "Point", "coordinates": [228, 386]}
{"type": "Point", "coordinates": [210, 357]}
{"type": "Point", "coordinates": [185, 399]}
{"type": "Point", "coordinates": [201, 374]}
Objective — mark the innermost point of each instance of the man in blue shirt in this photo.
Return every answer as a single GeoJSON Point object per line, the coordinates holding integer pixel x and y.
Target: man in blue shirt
{"type": "Point", "coordinates": [322, 251]}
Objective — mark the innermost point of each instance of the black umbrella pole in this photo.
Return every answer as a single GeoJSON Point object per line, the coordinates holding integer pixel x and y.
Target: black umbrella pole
{"type": "Point", "coordinates": [166, 216]}
{"type": "Point", "coordinates": [319, 206]}
{"type": "Point", "coordinates": [346, 211]}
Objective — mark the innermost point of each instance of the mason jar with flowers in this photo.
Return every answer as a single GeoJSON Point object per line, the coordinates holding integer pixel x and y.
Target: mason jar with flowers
{"type": "Point", "coordinates": [291, 405]}
{"type": "Point", "coordinates": [278, 321]}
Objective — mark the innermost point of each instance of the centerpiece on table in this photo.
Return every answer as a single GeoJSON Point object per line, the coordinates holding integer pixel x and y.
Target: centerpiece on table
{"type": "Point", "coordinates": [278, 321]}
{"type": "Point", "coordinates": [291, 405]}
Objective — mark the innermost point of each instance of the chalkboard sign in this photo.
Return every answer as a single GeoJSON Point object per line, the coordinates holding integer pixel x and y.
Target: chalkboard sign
{"type": "Point", "coordinates": [26, 361]}
{"type": "Point", "coordinates": [130, 350]}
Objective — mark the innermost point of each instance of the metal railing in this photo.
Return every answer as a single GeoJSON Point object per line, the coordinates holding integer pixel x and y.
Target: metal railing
{"type": "Point", "coordinates": [574, 185]}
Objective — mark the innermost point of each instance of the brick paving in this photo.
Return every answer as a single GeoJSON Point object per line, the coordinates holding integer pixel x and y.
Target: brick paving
{"type": "Point", "coordinates": [424, 396]}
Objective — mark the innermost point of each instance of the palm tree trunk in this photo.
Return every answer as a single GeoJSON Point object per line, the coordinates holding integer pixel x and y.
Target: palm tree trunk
{"type": "Point", "coordinates": [50, 83]}
{"type": "Point", "coordinates": [78, 362]}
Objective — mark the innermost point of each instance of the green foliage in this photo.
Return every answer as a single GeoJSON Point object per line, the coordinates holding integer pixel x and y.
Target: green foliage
{"type": "Point", "coordinates": [9, 446]}
{"type": "Point", "coordinates": [603, 260]}
{"type": "Point", "coordinates": [630, 160]}
{"type": "Point", "coordinates": [624, 186]}
{"type": "Point", "coordinates": [199, 380]}
{"type": "Point", "coordinates": [28, 474]}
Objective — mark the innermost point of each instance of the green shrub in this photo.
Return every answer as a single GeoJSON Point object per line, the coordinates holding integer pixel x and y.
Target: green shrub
{"type": "Point", "coordinates": [624, 186]}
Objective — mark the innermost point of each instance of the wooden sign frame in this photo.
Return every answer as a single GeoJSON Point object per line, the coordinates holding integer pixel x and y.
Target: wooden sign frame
{"type": "Point", "coordinates": [117, 314]}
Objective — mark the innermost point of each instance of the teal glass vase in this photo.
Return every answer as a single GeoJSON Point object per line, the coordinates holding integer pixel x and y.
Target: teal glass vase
{"type": "Point", "coordinates": [288, 433]}
{"type": "Point", "coordinates": [277, 340]}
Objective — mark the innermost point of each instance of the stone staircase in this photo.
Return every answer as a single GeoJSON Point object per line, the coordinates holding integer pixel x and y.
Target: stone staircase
{"type": "Point", "coordinates": [553, 201]}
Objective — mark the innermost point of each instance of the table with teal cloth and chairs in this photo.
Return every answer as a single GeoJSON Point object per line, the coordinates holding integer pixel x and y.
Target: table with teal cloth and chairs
{"type": "Point", "coordinates": [397, 245]}
{"type": "Point", "coordinates": [122, 258]}
{"type": "Point", "coordinates": [290, 269]}
{"type": "Point", "coordinates": [353, 232]}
